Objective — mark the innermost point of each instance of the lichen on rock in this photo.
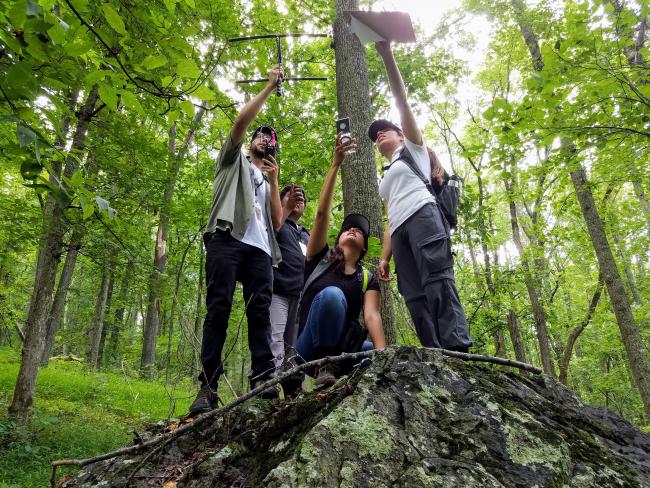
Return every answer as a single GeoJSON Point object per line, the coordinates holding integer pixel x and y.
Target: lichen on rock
{"type": "Point", "coordinates": [414, 418]}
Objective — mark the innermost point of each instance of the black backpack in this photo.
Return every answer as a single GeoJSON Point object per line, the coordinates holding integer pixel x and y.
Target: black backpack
{"type": "Point", "coordinates": [447, 196]}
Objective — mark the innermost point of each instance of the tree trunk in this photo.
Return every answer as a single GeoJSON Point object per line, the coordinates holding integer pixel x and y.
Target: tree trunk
{"type": "Point", "coordinates": [152, 320]}
{"type": "Point", "coordinates": [106, 326]}
{"type": "Point", "coordinates": [97, 324]}
{"type": "Point", "coordinates": [515, 337]}
{"type": "Point", "coordinates": [58, 305]}
{"type": "Point", "coordinates": [575, 333]}
{"type": "Point", "coordinates": [531, 285]}
{"type": "Point", "coordinates": [170, 328]}
{"type": "Point", "coordinates": [197, 334]}
{"type": "Point", "coordinates": [359, 174]}
{"type": "Point", "coordinates": [118, 318]}
{"type": "Point", "coordinates": [634, 346]}
{"type": "Point", "coordinates": [49, 254]}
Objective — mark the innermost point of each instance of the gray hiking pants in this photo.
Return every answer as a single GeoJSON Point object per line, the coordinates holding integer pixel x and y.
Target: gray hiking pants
{"type": "Point", "coordinates": [425, 278]}
{"type": "Point", "coordinates": [284, 326]}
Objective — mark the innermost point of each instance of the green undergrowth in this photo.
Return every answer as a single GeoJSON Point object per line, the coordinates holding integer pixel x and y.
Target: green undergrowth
{"type": "Point", "coordinates": [78, 413]}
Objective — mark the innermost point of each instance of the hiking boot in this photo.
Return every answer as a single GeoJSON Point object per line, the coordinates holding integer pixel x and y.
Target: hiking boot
{"type": "Point", "coordinates": [326, 376]}
{"type": "Point", "coordinates": [292, 387]}
{"type": "Point", "coordinates": [205, 400]}
{"type": "Point", "coordinates": [270, 393]}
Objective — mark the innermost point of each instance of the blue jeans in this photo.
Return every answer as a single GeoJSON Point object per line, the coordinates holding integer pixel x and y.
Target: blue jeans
{"type": "Point", "coordinates": [325, 326]}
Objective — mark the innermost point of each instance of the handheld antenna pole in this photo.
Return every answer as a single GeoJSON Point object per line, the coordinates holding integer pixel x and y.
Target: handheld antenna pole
{"type": "Point", "coordinates": [278, 88]}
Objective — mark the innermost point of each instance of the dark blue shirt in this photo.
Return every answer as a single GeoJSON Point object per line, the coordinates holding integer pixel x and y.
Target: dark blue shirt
{"type": "Point", "coordinates": [288, 277]}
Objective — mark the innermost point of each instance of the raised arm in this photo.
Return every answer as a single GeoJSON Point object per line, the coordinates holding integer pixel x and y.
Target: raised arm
{"type": "Point", "coordinates": [318, 235]}
{"type": "Point", "coordinates": [407, 119]}
{"type": "Point", "coordinates": [249, 111]}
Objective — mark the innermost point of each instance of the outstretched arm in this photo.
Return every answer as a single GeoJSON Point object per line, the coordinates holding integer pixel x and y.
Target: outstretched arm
{"type": "Point", "coordinates": [318, 237]}
{"type": "Point", "coordinates": [253, 107]}
{"type": "Point", "coordinates": [409, 126]}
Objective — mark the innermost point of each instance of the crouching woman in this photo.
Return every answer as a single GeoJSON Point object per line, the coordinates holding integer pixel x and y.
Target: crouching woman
{"type": "Point", "coordinates": [337, 288]}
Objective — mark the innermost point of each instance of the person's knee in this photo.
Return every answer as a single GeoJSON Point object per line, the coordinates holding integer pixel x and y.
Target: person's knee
{"type": "Point", "coordinates": [332, 296]}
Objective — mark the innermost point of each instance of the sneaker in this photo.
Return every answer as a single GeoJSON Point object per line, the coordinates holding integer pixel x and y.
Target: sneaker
{"type": "Point", "coordinates": [270, 393]}
{"type": "Point", "coordinates": [205, 400]}
{"type": "Point", "coordinates": [326, 376]}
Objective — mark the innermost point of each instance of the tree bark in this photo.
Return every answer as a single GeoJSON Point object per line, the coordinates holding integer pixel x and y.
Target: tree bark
{"type": "Point", "coordinates": [533, 293]}
{"type": "Point", "coordinates": [359, 173]}
{"type": "Point", "coordinates": [170, 328]}
{"type": "Point", "coordinates": [575, 333]}
{"type": "Point", "coordinates": [118, 318]}
{"type": "Point", "coordinates": [632, 340]}
{"type": "Point", "coordinates": [49, 255]}
{"type": "Point", "coordinates": [97, 324]}
{"type": "Point", "coordinates": [515, 337]}
{"type": "Point", "coordinates": [152, 319]}
{"type": "Point", "coordinates": [197, 333]}
{"type": "Point", "coordinates": [106, 322]}
{"type": "Point", "coordinates": [58, 305]}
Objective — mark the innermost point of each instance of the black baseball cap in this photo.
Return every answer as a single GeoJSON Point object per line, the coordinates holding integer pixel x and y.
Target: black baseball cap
{"type": "Point", "coordinates": [359, 221]}
{"type": "Point", "coordinates": [267, 129]}
{"type": "Point", "coordinates": [381, 124]}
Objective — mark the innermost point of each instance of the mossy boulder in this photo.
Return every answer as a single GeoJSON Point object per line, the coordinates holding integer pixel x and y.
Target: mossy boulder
{"type": "Point", "coordinates": [413, 419]}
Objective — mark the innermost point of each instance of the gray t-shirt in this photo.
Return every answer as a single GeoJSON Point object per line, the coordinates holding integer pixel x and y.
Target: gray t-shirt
{"type": "Point", "coordinates": [233, 197]}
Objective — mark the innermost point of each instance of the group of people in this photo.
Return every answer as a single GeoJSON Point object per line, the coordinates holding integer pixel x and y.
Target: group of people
{"type": "Point", "coordinates": [302, 297]}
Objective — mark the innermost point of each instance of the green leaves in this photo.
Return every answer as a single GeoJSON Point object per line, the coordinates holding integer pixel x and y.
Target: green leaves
{"type": "Point", "coordinates": [187, 68]}
{"type": "Point", "coordinates": [114, 19]}
{"type": "Point", "coordinates": [154, 61]}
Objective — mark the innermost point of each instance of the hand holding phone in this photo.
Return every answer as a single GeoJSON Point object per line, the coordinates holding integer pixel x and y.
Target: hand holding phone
{"type": "Point", "coordinates": [343, 128]}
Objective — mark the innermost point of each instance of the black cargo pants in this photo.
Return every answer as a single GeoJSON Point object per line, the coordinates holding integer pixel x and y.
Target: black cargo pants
{"type": "Point", "coordinates": [228, 261]}
{"type": "Point", "coordinates": [425, 278]}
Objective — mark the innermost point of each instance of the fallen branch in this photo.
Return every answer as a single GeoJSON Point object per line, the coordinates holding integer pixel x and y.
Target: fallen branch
{"type": "Point", "coordinates": [168, 436]}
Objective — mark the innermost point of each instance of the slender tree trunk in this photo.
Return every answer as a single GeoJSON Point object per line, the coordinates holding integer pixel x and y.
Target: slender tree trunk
{"type": "Point", "coordinates": [636, 350]}
{"type": "Point", "coordinates": [360, 187]}
{"type": "Point", "coordinates": [152, 320]}
{"type": "Point", "coordinates": [515, 337]}
{"type": "Point", "coordinates": [539, 314]}
{"type": "Point", "coordinates": [106, 323]}
{"type": "Point", "coordinates": [575, 333]}
{"type": "Point", "coordinates": [197, 335]}
{"type": "Point", "coordinates": [58, 305]}
{"type": "Point", "coordinates": [49, 254]}
{"type": "Point", "coordinates": [97, 323]}
{"type": "Point", "coordinates": [170, 328]}
{"type": "Point", "coordinates": [118, 319]}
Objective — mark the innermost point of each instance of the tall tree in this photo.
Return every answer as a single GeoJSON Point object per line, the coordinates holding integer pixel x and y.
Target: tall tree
{"type": "Point", "coordinates": [359, 173]}
{"type": "Point", "coordinates": [49, 254]}
{"type": "Point", "coordinates": [152, 320]}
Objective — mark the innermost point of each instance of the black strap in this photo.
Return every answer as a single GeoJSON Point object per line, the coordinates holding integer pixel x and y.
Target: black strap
{"type": "Point", "coordinates": [405, 155]}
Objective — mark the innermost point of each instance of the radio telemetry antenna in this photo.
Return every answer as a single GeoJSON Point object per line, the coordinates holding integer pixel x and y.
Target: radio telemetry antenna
{"type": "Point", "coordinates": [278, 46]}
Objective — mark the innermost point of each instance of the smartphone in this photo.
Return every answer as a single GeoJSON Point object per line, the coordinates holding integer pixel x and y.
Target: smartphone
{"type": "Point", "coordinates": [343, 128]}
{"type": "Point", "coordinates": [269, 150]}
{"type": "Point", "coordinates": [343, 125]}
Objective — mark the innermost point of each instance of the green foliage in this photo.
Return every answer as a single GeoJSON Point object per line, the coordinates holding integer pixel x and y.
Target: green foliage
{"type": "Point", "coordinates": [78, 414]}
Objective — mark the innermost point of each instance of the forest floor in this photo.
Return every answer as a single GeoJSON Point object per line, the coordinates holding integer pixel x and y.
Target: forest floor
{"type": "Point", "coordinates": [78, 413]}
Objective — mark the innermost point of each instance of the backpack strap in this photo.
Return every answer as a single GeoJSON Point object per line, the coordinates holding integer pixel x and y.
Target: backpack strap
{"type": "Point", "coordinates": [407, 158]}
{"type": "Point", "coordinates": [366, 279]}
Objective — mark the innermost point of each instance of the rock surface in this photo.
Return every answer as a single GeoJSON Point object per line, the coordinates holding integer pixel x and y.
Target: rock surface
{"type": "Point", "coordinates": [413, 419]}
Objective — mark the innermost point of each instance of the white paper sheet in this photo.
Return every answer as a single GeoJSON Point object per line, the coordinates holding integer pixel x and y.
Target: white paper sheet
{"type": "Point", "coordinates": [363, 32]}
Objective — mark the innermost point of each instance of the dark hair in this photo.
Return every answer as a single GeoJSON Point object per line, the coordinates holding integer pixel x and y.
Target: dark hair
{"type": "Point", "coordinates": [287, 188]}
{"type": "Point", "coordinates": [438, 173]}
